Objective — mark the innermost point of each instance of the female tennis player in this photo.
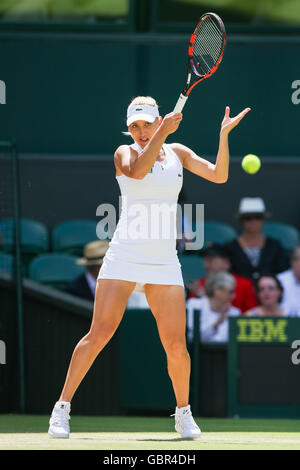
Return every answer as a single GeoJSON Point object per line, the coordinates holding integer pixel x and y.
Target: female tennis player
{"type": "Point", "coordinates": [149, 173]}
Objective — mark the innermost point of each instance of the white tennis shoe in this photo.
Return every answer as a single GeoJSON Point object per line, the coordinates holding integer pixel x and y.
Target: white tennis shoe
{"type": "Point", "coordinates": [185, 424]}
{"type": "Point", "coordinates": [59, 421]}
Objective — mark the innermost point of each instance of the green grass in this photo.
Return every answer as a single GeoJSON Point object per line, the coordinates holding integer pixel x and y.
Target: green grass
{"type": "Point", "coordinates": [149, 433]}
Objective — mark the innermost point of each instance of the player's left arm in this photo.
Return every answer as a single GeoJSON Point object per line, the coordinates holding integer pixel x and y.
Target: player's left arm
{"type": "Point", "coordinates": [215, 172]}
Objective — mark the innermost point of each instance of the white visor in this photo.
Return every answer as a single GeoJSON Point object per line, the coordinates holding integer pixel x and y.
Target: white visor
{"type": "Point", "coordinates": [141, 112]}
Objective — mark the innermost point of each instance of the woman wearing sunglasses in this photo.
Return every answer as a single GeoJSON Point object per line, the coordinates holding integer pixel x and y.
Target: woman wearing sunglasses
{"type": "Point", "coordinates": [253, 253]}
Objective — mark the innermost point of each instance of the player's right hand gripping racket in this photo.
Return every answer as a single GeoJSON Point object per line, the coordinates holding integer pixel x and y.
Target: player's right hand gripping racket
{"type": "Point", "coordinates": [205, 53]}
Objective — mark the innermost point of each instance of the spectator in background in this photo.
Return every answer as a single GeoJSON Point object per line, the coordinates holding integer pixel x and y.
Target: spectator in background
{"type": "Point", "coordinates": [216, 259]}
{"type": "Point", "coordinates": [290, 281]}
{"type": "Point", "coordinates": [269, 292]}
{"type": "Point", "coordinates": [253, 253]}
{"type": "Point", "coordinates": [215, 308]}
{"type": "Point", "coordinates": [84, 286]}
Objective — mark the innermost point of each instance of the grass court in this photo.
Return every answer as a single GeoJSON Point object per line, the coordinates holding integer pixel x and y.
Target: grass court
{"type": "Point", "coordinates": [27, 432]}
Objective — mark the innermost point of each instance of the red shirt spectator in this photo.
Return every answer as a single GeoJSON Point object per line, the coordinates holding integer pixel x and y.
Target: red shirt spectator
{"type": "Point", "coordinates": [244, 298]}
{"type": "Point", "coordinates": [216, 259]}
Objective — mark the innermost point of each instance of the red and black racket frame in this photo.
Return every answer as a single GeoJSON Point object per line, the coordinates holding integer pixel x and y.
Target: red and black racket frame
{"type": "Point", "coordinates": [191, 66]}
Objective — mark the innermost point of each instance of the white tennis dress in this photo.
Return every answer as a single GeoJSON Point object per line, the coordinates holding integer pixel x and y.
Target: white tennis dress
{"type": "Point", "coordinates": [143, 247]}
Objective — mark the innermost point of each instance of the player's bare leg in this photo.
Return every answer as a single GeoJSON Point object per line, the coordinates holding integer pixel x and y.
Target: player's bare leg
{"type": "Point", "coordinates": [167, 304]}
{"type": "Point", "coordinates": [111, 297]}
{"type": "Point", "coordinates": [110, 302]}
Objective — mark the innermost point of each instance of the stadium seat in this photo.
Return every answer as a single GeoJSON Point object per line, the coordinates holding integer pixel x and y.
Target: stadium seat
{"type": "Point", "coordinates": [192, 267]}
{"type": "Point", "coordinates": [71, 236]}
{"type": "Point", "coordinates": [34, 236]}
{"type": "Point", "coordinates": [286, 234]}
{"type": "Point", "coordinates": [34, 239]}
{"type": "Point", "coordinates": [55, 269]}
{"type": "Point", "coordinates": [6, 262]}
{"type": "Point", "coordinates": [217, 232]}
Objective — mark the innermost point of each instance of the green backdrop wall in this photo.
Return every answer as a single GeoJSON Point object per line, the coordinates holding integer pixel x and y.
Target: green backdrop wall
{"type": "Point", "coordinates": [68, 93]}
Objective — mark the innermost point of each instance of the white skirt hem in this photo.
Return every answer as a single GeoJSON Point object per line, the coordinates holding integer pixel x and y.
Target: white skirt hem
{"type": "Point", "coordinates": [140, 274]}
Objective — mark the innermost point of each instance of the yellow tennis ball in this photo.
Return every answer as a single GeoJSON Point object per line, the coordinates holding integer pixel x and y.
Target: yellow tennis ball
{"type": "Point", "coordinates": [251, 164]}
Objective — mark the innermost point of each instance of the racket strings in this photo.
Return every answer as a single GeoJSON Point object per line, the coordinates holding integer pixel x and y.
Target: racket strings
{"type": "Point", "coordinates": [208, 46]}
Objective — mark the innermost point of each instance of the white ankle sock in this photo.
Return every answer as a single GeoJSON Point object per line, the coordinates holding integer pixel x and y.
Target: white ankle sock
{"type": "Point", "coordinates": [63, 404]}
{"type": "Point", "coordinates": [182, 409]}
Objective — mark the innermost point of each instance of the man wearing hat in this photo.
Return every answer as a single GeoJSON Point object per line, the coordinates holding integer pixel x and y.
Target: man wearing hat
{"type": "Point", "coordinates": [216, 259]}
{"type": "Point", "coordinates": [84, 286]}
{"type": "Point", "coordinates": [253, 253]}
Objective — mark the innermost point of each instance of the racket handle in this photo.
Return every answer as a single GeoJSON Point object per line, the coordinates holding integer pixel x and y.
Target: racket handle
{"type": "Point", "coordinates": [180, 103]}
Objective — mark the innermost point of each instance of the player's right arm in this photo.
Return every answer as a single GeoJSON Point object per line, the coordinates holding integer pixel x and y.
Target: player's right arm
{"type": "Point", "coordinates": [135, 165]}
{"type": "Point", "coordinates": [124, 159]}
{"type": "Point", "coordinates": [132, 164]}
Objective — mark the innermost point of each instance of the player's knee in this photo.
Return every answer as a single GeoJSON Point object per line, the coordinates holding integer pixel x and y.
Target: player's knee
{"type": "Point", "coordinates": [100, 337]}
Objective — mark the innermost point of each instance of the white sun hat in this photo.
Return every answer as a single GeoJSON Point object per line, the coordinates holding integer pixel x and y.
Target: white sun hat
{"type": "Point", "coordinates": [141, 112]}
{"type": "Point", "coordinates": [252, 205]}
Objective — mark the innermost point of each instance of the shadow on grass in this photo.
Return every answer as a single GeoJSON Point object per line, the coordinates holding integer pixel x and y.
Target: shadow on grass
{"type": "Point", "coordinates": [176, 439]}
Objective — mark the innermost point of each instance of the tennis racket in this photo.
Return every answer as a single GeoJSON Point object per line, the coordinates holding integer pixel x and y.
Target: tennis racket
{"type": "Point", "coordinates": [205, 53]}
